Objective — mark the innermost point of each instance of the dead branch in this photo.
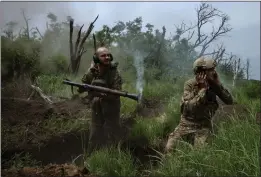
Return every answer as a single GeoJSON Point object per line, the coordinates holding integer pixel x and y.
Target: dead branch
{"type": "Point", "coordinates": [27, 24]}
{"type": "Point", "coordinates": [35, 28]}
{"type": "Point", "coordinates": [70, 38]}
{"type": "Point", "coordinates": [94, 42]}
{"type": "Point", "coordinates": [218, 54]}
{"type": "Point", "coordinates": [102, 43]}
{"type": "Point", "coordinates": [160, 45]}
{"type": "Point", "coordinates": [79, 50]}
{"type": "Point", "coordinates": [39, 32]}
{"type": "Point", "coordinates": [205, 14]}
{"type": "Point", "coordinates": [31, 95]}
{"type": "Point", "coordinates": [247, 69]}
{"type": "Point", "coordinates": [183, 28]}
{"type": "Point", "coordinates": [236, 71]}
{"type": "Point", "coordinates": [42, 95]}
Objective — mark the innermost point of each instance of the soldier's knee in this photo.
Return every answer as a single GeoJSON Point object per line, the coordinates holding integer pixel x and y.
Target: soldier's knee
{"type": "Point", "coordinates": [171, 142]}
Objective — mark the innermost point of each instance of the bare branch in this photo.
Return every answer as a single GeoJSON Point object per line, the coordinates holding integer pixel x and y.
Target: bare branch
{"type": "Point", "coordinates": [78, 48]}
{"type": "Point", "coordinates": [94, 42]}
{"type": "Point", "coordinates": [206, 14]}
{"type": "Point", "coordinates": [27, 24]}
{"type": "Point", "coordinates": [247, 69]}
{"type": "Point", "coordinates": [70, 37]}
{"type": "Point", "coordinates": [87, 34]}
{"type": "Point", "coordinates": [38, 31]}
{"type": "Point", "coordinates": [78, 39]}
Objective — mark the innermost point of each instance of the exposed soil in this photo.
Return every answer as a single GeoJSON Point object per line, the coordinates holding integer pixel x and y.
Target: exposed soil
{"type": "Point", "coordinates": [149, 108]}
{"type": "Point", "coordinates": [51, 170]}
{"type": "Point", "coordinates": [28, 117]}
{"type": "Point", "coordinates": [16, 110]}
{"type": "Point", "coordinates": [226, 112]}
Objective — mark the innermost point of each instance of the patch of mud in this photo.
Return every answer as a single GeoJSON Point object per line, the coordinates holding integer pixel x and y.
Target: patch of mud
{"type": "Point", "coordinates": [227, 112]}
{"type": "Point", "coordinates": [19, 89]}
{"type": "Point", "coordinates": [16, 110]}
{"type": "Point", "coordinates": [59, 149]}
{"type": "Point", "coordinates": [51, 170]}
{"type": "Point", "coordinates": [149, 108]}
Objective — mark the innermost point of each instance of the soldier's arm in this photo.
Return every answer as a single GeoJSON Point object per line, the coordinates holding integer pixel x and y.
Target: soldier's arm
{"type": "Point", "coordinates": [86, 79]}
{"type": "Point", "coordinates": [223, 94]}
{"type": "Point", "coordinates": [191, 101]}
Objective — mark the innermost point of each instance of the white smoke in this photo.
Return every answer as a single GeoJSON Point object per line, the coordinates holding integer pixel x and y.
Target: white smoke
{"type": "Point", "coordinates": [139, 65]}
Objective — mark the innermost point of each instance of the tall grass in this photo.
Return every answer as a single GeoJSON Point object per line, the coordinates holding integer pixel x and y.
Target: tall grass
{"type": "Point", "coordinates": [233, 152]}
{"type": "Point", "coordinates": [111, 162]}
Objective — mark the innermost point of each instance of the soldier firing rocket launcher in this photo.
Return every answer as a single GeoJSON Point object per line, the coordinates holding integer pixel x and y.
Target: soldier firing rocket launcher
{"type": "Point", "coordinates": [104, 90]}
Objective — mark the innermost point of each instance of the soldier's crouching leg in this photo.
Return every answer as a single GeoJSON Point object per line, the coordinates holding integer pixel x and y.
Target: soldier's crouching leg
{"type": "Point", "coordinates": [173, 138]}
{"type": "Point", "coordinates": [96, 128]}
{"type": "Point", "coordinates": [201, 137]}
{"type": "Point", "coordinates": [181, 132]}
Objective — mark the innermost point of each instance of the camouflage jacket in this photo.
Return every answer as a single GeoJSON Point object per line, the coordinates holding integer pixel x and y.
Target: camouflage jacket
{"type": "Point", "coordinates": [199, 106]}
{"type": "Point", "coordinates": [110, 77]}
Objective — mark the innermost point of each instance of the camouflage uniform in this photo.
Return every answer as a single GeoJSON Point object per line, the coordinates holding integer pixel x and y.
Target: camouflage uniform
{"type": "Point", "coordinates": [105, 111]}
{"type": "Point", "coordinates": [197, 108]}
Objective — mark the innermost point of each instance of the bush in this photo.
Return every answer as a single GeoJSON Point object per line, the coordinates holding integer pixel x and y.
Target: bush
{"type": "Point", "coordinates": [20, 58]}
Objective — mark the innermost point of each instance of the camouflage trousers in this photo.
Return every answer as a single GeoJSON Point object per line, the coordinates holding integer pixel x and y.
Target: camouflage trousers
{"type": "Point", "coordinates": [105, 123]}
{"type": "Point", "coordinates": [193, 133]}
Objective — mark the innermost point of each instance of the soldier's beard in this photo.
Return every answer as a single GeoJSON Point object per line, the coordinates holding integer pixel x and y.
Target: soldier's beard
{"type": "Point", "coordinates": [105, 64]}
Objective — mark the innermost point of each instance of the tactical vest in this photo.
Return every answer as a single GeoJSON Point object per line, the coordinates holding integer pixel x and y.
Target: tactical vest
{"type": "Point", "coordinates": [105, 80]}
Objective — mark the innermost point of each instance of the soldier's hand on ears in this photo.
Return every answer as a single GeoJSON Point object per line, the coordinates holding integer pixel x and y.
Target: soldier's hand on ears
{"type": "Point", "coordinates": [214, 79]}
{"type": "Point", "coordinates": [202, 80]}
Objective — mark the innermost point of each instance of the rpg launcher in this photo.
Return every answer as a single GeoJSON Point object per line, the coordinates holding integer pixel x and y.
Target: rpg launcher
{"type": "Point", "coordinates": [88, 87]}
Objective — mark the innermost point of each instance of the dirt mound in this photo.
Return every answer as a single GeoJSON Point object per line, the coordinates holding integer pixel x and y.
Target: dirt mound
{"type": "Point", "coordinates": [16, 89]}
{"type": "Point", "coordinates": [51, 170]}
{"type": "Point", "coordinates": [149, 108]}
{"type": "Point", "coordinates": [19, 110]}
{"type": "Point", "coordinates": [15, 110]}
{"type": "Point", "coordinates": [229, 112]}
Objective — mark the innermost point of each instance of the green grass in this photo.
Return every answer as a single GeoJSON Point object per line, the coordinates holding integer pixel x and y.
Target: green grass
{"type": "Point", "coordinates": [111, 162]}
{"type": "Point", "coordinates": [151, 129]}
{"type": "Point", "coordinates": [233, 152]}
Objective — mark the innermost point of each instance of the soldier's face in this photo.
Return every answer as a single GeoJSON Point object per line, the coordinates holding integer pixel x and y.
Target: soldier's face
{"type": "Point", "coordinates": [105, 57]}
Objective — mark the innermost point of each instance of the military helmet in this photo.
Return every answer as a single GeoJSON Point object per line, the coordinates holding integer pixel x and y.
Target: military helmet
{"type": "Point", "coordinates": [210, 63]}
{"type": "Point", "coordinates": [199, 63]}
{"type": "Point", "coordinates": [203, 63]}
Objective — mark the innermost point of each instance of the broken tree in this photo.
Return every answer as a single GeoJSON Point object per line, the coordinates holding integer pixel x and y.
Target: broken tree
{"type": "Point", "coordinates": [206, 14]}
{"type": "Point", "coordinates": [78, 50]}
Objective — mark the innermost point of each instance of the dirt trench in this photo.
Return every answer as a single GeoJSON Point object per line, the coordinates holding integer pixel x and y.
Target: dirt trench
{"type": "Point", "coordinates": [60, 149]}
